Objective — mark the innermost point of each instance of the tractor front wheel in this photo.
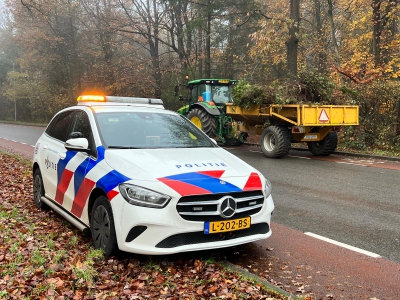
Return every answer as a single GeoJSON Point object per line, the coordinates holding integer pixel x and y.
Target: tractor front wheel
{"type": "Point", "coordinates": [203, 120]}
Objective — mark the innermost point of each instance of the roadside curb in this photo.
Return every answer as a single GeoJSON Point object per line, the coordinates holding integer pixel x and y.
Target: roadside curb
{"type": "Point", "coordinates": [344, 153]}
{"type": "Point", "coordinates": [391, 158]}
{"type": "Point", "coordinates": [230, 266]}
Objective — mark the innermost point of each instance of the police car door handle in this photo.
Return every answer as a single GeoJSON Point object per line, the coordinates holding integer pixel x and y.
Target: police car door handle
{"type": "Point", "coordinates": [45, 147]}
{"type": "Point", "coordinates": [62, 155]}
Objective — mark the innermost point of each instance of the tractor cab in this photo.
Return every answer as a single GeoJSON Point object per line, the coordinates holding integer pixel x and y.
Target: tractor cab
{"type": "Point", "coordinates": [206, 108]}
{"type": "Point", "coordinates": [218, 91]}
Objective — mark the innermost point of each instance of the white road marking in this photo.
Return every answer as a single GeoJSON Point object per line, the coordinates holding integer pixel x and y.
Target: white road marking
{"type": "Point", "coordinates": [347, 163]}
{"type": "Point", "coordinates": [17, 142]}
{"type": "Point", "coordinates": [342, 245]}
{"type": "Point", "coordinates": [295, 156]}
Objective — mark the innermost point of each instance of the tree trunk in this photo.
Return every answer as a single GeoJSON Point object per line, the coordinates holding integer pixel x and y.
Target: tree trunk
{"type": "Point", "coordinates": [333, 37]}
{"type": "Point", "coordinates": [156, 57]}
{"type": "Point", "coordinates": [377, 30]}
{"type": "Point", "coordinates": [229, 50]}
{"type": "Point", "coordinates": [200, 48]}
{"type": "Point", "coordinates": [321, 56]}
{"type": "Point", "coordinates": [208, 42]}
{"type": "Point", "coordinates": [293, 42]}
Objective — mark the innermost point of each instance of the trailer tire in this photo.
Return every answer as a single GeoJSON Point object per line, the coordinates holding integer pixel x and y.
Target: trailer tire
{"type": "Point", "coordinates": [275, 141]}
{"type": "Point", "coordinates": [203, 120]}
{"type": "Point", "coordinates": [326, 146]}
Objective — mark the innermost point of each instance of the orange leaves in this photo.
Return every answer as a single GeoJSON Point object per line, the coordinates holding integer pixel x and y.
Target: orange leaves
{"type": "Point", "coordinates": [159, 280]}
{"type": "Point", "coordinates": [198, 265]}
{"type": "Point", "coordinates": [57, 282]}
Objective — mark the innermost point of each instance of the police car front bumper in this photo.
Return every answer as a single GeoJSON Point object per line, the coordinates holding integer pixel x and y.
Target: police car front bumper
{"type": "Point", "coordinates": [153, 231]}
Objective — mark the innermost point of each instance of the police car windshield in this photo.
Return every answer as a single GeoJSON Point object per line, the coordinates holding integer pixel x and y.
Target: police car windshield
{"type": "Point", "coordinates": [146, 130]}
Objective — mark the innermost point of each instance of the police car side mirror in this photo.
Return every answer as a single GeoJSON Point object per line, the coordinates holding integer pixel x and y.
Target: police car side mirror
{"type": "Point", "coordinates": [214, 141]}
{"type": "Point", "coordinates": [77, 144]}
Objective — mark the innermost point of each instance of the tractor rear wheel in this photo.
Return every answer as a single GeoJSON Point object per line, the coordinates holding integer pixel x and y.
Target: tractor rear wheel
{"type": "Point", "coordinates": [326, 146]}
{"type": "Point", "coordinates": [275, 141]}
{"type": "Point", "coordinates": [203, 120]}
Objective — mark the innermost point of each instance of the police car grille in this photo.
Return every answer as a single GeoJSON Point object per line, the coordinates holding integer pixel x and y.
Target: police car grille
{"type": "Point", "coordinates": [199, 237]}
{"type": "Point", "coordinates": [204, 208]}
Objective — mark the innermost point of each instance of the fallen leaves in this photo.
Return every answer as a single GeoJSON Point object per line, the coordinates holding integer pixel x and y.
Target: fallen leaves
{"type": "Point", "coordinates": [44, 257]}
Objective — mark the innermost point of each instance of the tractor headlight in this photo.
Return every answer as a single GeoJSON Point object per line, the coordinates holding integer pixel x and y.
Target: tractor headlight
{"type": "Point", "coordinates": [267, 189]}
{"type": "Point", "coordinates": [143, 197]}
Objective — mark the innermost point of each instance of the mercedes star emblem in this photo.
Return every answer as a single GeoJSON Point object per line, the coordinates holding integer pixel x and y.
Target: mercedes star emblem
{"type": "Point", "coordinates": [227, 207]}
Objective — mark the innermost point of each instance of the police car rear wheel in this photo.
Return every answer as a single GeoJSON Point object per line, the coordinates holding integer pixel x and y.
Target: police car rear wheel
{"type": "Point", "coordinates": [38, 189]}
{"type": "Point", "coordinates": [102, 226]}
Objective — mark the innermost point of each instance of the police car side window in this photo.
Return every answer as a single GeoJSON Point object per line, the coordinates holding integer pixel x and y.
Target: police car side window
{"type": "Point", "coordinates": [58, 128]}
{"type": "Point", "coordinates": [81, 124]}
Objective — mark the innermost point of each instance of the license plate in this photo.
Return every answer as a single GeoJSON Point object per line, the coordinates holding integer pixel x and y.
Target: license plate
{"type": "Point", "coordinates": [310, 137]}
{"type": "Point", "coordinates": [226, 226]}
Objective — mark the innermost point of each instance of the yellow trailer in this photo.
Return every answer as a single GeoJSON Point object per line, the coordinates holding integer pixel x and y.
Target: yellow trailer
{"type": "Point", "coordinates": [316, 125]}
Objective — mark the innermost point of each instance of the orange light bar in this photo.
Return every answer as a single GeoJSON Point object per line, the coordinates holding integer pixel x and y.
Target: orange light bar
{"type": "Point", "coordinates": [92, 98]}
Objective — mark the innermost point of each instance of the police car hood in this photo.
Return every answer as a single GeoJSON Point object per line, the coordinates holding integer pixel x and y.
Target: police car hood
{"type": "Point", "coordinates": [200, 170]}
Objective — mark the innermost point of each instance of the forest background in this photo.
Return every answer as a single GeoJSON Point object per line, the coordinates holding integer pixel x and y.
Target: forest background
{"type": "Point", "coordinates": [319, 51]}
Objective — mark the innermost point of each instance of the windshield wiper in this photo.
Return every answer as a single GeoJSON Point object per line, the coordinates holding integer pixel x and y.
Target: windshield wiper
{"type": "Point", "coordinates": [123, 147]}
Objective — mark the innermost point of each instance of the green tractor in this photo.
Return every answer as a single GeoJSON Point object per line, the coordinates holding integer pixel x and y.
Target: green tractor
{"type": "Point", "coordinates": [206, 109]}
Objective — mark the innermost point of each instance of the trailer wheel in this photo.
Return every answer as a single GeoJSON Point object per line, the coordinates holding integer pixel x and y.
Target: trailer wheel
{"type": "Point", "coordinates": [275, 141]}
{"type": "Point", "coordinates": [203, 120]}
{"type": "Point", "coordinates": [326, 146]}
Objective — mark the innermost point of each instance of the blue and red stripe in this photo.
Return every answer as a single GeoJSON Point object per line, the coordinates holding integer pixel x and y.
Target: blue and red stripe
{"type": "Point", "coordinates": [82, 185]}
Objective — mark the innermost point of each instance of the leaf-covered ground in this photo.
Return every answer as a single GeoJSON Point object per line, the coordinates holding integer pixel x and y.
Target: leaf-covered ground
{"type": "Point", "coordinates": [42, 256]}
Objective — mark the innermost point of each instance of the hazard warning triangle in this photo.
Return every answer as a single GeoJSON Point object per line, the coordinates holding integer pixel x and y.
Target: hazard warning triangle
{"type": "Point", "coordinates": [323, 117]}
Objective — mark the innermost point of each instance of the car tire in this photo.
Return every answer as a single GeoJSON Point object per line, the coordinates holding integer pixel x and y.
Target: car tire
{"type": "Point", "coordinates": [275, 141]}
{"type": "Point", "coordinates": [38, 189]}
{"type": "Point", "coordinates": [326, 146]}
{"type": "Point", "coordinates": [102, 226]}
{"type": "Point", "coordinates": [203, 120]}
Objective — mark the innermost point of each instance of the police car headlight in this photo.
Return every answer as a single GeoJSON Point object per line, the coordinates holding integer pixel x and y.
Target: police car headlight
{"type": "Point", "coordinates": [267, 188]}
{"type": "Point", "coordinates": [143, 197]}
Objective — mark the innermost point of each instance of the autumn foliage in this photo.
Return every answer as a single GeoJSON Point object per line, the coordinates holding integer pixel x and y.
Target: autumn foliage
{"type": "Point", "coordinates": [52, 51]}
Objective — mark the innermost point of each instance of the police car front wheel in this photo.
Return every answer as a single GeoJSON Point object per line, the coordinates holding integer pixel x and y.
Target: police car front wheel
{"type": "Point", "coordinates": [102, 226]}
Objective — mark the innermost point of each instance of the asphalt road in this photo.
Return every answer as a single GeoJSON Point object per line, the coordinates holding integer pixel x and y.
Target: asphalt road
{"type": "Point", "coordinates": [23, 134]}
{"type": "Point", "coordinates": [350, 203]}
{"type": "Point", "coordinates": [355, 201]}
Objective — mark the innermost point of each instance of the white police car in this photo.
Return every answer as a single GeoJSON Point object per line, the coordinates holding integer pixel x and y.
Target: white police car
{"type": "Point", "coordinates": [146, 180]}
